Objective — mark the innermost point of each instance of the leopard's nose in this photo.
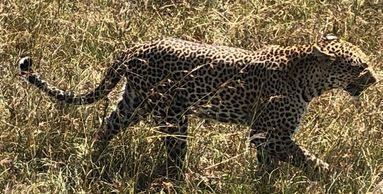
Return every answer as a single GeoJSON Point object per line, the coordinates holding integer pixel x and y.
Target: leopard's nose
{"type": "Point", "coordinates": [372, 76]}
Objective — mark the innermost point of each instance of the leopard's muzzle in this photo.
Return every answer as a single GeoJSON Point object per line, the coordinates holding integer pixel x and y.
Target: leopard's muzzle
{"type": "Point", "coordinates": [363, 81]}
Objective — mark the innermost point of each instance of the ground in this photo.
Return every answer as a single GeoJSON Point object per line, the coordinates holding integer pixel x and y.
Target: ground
{"type": "Point", "coordinates": [43, 144]}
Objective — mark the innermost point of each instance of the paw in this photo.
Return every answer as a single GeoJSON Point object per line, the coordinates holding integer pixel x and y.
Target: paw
{"type": "Point", "coordinates": [25, 64]}
{"type": "Point", "coordinates": [323, 166]}
{"type": "Point", "coordinates": [321, 171]}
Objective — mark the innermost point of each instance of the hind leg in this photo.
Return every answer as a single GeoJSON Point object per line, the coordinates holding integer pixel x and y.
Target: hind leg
{"type": "Point", "coordinates": [175, 142]}
{"type": "Point", "coordinates": [171, 117]}
{"type": "Point", "coordinates": [125, 115]}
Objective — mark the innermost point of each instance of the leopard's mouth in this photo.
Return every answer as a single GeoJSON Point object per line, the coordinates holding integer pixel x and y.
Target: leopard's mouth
{"type": "Point", "coordinates": [363, 81]}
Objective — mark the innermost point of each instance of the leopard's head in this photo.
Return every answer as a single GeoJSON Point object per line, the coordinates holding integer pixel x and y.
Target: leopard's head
{"type": "Point", "coordinates": [347, 67]}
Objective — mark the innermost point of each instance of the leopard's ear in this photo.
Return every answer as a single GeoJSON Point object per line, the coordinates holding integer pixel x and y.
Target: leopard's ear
{"type": "Point", "coordinates": [323, 54]}
{"type": "Point", "coordinates": [329, 37]}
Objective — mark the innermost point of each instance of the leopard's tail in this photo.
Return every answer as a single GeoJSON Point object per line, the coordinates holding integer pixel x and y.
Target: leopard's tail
{"type": "Point", "coordinates": [112, 77]}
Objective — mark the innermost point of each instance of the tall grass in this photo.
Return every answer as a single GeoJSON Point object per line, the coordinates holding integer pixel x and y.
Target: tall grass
{"type": "Point", "coordinates": [43, 144]}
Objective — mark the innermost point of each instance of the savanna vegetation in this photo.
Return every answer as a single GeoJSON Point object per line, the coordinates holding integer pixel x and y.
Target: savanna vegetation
{"type": "Point", "coordinates": [44, 145]}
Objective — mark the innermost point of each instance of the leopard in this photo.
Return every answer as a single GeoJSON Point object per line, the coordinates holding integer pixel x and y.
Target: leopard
{"type": "Point", "coordinates": [268, 90]}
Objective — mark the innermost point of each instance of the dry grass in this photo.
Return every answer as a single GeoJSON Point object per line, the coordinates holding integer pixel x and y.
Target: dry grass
{"type": "Point", "coordinates": [43, 144]}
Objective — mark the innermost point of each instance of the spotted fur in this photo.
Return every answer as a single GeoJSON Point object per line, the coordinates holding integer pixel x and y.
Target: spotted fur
{"type": "Point", "coordinates": [267, 90]}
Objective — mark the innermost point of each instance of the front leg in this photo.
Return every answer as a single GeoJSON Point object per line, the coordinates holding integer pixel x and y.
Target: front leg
{"type": "Point", "coordinates": [280, 147]}
{"type": "Point", "coordinates": [126, 114]}
{"type": "Point", "coordinates": [272, 131]}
